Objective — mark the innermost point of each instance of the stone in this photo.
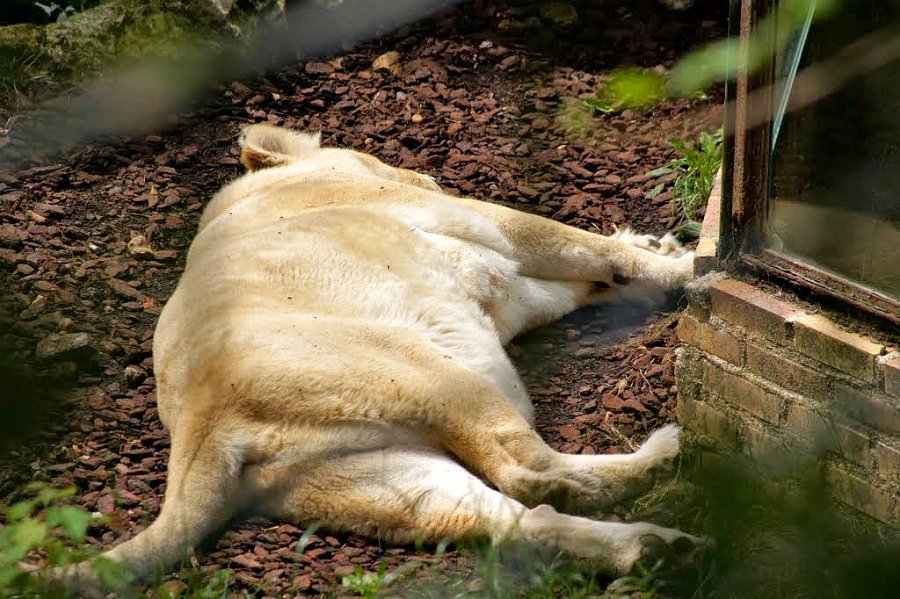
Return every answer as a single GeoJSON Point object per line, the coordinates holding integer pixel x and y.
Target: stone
{"type": "Point", "coordinates": [559, 14]}
{"type": "Point", "coordinates": [389, 61]}
{"type": "Point", "coordinates": [66, 346]}
{"type": "Point", "coordinates": [134, 375]}
{"type": "Point", "coordinates": [139, 247]}
{"type": "Point", "coordinates": [11, 236]}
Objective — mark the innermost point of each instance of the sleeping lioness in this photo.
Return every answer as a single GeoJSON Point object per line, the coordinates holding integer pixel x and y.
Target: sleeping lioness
{"type": "Point", "coordinates": [334, 354]}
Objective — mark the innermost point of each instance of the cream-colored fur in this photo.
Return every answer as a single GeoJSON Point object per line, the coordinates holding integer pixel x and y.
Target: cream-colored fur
{"type": "Point", "coordinates": [334, 354]}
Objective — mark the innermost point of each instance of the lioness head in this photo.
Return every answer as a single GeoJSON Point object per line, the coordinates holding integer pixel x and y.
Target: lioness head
{"type": "Point", "coordinates": [267, 146]}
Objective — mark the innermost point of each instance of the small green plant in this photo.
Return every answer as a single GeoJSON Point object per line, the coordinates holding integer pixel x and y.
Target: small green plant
{"type": "Point", "coordinates": [44, 526]}
{"type": "Point", "coordinates": [366, 584]}
{"type": "Point", "coordinates": [194, 583]}
{"type": "Point", "coordinates": [696, 170]}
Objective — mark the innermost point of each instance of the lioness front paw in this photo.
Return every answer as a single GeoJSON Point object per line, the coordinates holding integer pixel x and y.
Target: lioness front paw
{"type": "Point", "coordinates": [666, 245]}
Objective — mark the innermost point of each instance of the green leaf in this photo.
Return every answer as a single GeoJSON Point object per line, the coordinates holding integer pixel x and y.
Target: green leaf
{"type": "Point", "coordinates": [701, 68]}
{"type": "Point", "coordinates": [655, 191]}
{"type": "Point", "coordinates": [57, 553]}
{"type": "Point", "coordinates": [112, 573]}
{"type": "Point", "coordinates": [20, 510]}
{"type": "Point", "coordinates": [679, 144]}
{"type": "Point", "coordinates": [632, 88]}
{"type": "Point", "coordinates": [597, 104]}
{"type": "Point", "coordinates": [659, 172]}
{"type": "Point", "coordinates": [48, 495]}
{"type": "Point", "coordinates": [306, 536]}
{"type": "Point", "coordinates": [75, 521]}
{"type": "Point", "coordinates": [27, 535]}
{"type": "Point", "coordinates": [688, 231]}
{"type": "Point", "coordinates": [48, 9]}
{"type": "Point", "coordinates": [10, 574]}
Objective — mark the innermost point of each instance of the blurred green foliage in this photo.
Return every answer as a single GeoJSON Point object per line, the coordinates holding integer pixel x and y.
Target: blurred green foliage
{"type": "Point", "coordinates": [42, 524]}
{"type": "Point", "coordinates": [631, 88]}
{"type": "Point", "coordinates": [722, 59]}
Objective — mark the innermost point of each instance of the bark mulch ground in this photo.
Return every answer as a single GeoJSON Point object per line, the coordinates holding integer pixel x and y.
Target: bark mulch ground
{"type": "Point", "coordinates": [93, 243]}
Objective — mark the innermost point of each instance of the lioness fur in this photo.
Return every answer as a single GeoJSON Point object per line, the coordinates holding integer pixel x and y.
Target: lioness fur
{"type": "Point", "coordinates": [333, 353]}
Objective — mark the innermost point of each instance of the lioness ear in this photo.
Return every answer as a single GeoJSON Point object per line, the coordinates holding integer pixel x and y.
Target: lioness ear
{"type": "Point", "coordinates": [264, 146]}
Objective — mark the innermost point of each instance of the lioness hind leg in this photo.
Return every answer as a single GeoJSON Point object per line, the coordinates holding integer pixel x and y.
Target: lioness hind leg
{"type": "Point", "coordinates": [406, 495]}
{"type": "Point", "coordinates": [473, 420]}
{"type": "Point", "coordinates": [493, 439]}
{"type": "Point", "coordinates": [592, 483]}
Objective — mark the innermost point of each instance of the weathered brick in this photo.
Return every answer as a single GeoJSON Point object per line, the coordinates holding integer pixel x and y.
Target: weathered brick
{"type": "Point", "coordinates": [706, 252]}
{"type": "Point", "coordinates": [887, 461]}
{"type": "Point", "coordinates": [824, 434]}
{"type": "Point", "coordinates": [705, 257]}
{"type": "Point", "coordinates": [808, 424]}
{"type": "Point", "coordinates": [704, 418]}
{"type": "Point", "coordinates": [755, 310]}
{"type": "Point", "coordinates": [743, 393]}
{"type": "Point", "coordinates": [852, 445]}
{"type": "Point", "coordinates": [706, 337]}
{"type": "Point", "coordinates": [892, 377]}
{"type": "Point", "coordinates": [862, 495]}
{"type": "Point", "coordinates": [867, 407]}
{"type": "Point", "coordinates": [761, 445]}
{"type": "Point", "coordinates": [785, 372]}
{"type": "Point", "coordinates": [698, 311]}
{"type": "Point", "coordinates": [819, 338]}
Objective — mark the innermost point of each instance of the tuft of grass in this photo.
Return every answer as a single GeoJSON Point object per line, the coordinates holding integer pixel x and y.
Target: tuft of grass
{"type": "Point", "coordinates": [17, 78]}
{"type": "Point", "coordinates": [696, 169]}
{"type": "Point", "coordinates": [643, 584]}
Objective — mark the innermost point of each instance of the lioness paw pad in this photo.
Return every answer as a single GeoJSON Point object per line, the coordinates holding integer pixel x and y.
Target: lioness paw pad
{"type": "Point", "coordinates": [676, 549]}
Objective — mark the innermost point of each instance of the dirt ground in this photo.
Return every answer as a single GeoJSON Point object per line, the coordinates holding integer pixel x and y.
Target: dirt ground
{"type": "Point", "coordinates": [93, 243]}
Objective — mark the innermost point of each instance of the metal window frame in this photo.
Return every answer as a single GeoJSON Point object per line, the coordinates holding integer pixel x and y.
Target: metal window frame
{"type": "Point", "coordinates": [745, 187]}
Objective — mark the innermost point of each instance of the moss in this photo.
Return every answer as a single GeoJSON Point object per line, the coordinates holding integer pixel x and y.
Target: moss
{"type": "Point", "coordinates": [34, 57]}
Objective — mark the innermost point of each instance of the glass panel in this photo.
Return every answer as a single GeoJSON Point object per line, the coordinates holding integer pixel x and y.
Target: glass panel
{"type": "Point", "coordinates": [835, 177]}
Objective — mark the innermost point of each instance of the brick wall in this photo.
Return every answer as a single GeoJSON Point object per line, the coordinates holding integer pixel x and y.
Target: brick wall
{"type": "Point", "coordinates": [763, 375]}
